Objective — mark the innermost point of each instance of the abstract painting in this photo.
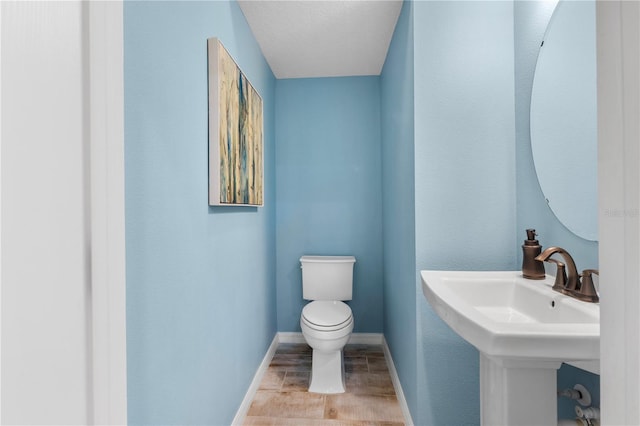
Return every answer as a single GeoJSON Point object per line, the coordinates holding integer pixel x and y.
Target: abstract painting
{"type": "Point", "coordinates": [235, 133]}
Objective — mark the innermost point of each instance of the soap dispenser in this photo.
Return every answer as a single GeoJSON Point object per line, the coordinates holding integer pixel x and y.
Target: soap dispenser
{"type": "Point", "coordinates": [532, 268]}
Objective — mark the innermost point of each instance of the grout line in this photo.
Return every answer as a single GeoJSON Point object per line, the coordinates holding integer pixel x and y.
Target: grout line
{"type": "Point", "coordinates": [286, 371]}
{"type": "Point", "coordinates": [324, 406]}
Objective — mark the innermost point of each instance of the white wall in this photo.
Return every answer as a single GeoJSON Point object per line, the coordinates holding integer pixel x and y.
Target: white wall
{"type": "Point", "coordinates": [44, 216]}
{"type": "Point", "coordinates": [618, 46]}
{"type": "Point", "coordinates": [62, 220]}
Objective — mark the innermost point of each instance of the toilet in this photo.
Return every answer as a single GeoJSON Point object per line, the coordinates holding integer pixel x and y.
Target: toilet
{"type": "Point", "coordinates": [327, 321]}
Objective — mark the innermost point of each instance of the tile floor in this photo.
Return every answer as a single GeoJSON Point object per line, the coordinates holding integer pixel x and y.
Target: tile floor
{"type": "Point", "coordinates": [282, 399]}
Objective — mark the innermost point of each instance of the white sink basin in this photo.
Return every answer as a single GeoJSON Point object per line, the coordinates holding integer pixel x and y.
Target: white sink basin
{"type": "Point", "coordinates": [505, 315]}
{"type": "Point", "coordinates": [524, 331]}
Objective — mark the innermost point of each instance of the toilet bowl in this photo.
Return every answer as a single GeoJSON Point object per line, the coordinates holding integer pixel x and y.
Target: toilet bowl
{"type": "Point", "coordinates": [326, 326]}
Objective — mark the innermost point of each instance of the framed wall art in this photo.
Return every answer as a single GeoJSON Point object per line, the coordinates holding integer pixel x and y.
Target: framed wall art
{"type": "Point", "coordinates": [235, 133]}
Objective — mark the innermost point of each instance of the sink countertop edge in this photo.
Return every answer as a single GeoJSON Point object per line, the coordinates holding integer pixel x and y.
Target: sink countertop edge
{"type": "Point", "coordinates": [476, 327]}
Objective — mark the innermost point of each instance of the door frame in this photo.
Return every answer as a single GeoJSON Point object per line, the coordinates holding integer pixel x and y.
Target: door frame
{"type": "Point", "coordinates": [618, 53]}
{"type": "Point", "coordinates": [108, 273]}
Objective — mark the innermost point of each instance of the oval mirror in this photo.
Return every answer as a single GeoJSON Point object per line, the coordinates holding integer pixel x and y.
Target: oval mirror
{"type": "Point", "coordinates": [564, 117]}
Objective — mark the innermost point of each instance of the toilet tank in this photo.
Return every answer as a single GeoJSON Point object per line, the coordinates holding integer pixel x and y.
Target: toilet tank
{"type": "Point", "coordinates": [327, 277]}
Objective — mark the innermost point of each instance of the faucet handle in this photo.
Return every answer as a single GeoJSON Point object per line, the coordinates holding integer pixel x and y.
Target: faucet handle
{"type": "Point", "coordinates": [587, 291]}
{"type": "Point", "coordinates": [561, 276]}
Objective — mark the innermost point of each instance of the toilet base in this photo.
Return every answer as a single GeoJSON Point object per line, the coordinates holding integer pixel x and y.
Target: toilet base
{"type": "Point", "coordinates": [327, 372]}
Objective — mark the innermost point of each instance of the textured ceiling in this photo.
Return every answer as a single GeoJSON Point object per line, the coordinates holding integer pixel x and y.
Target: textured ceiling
{"type": "Point", "coordinates": [323, 38]}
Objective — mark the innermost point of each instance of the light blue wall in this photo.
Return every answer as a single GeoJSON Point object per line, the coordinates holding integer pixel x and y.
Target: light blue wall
{"type": "Point", "coordinates": [465, 154]}
{"type": "Point", "coordinates": [200, 280]}
{"type": "Point", "coordinates": [398, 203]}
{"type": "Point", "coordinates": [328, 181]}
{"type": "Point", "coordinates": [465, 180]}
{"type": "Point", "coordinates": [448, 107]}
{"type": "Point", "coordinates": [530, 23]}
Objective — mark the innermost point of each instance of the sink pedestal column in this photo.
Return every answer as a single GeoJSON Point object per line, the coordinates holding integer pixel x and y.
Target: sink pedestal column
{"type": "Point", "coordinates": [518, 392]}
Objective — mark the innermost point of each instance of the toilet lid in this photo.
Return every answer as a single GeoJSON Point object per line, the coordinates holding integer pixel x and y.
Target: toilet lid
{"type": "Point", "coordinates": [326, 313]}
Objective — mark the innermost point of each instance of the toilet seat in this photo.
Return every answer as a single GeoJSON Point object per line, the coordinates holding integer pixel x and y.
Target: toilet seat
{"type": "Point", "coordinates": [327, 315]}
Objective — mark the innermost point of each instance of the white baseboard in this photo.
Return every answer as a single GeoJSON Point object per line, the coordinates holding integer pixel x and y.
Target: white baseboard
{"type": "Point", "coordinates": [395, 379]}
{"type": "Point", "coordinates": [355, 339]}
{"type": "Point", "coordinates": [292, 337]}
{"type": "Point", "coordinates": [366, 339]}
{"type": "Point", "coordinates": [255, 383]}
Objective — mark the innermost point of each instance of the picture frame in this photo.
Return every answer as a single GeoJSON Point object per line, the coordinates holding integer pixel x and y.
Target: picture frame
{"type": "Point", "coordinates": [236, 133]}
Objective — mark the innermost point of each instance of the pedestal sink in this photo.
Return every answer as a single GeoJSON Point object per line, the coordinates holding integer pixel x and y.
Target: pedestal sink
{"type": "Point", "coordinates": [524, 331]}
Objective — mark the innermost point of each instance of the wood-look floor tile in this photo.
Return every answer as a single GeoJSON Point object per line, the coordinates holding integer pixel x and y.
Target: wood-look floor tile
{"type": "Point", "coordinates": [377, 364]}
{"type": "Point", "coordinates": [299, 362]}
{"type": "Point", "coordinates": [375, 354]}
{"type": "Point", "coordinates": [349, 406]}
{"type": "Point", "coordinates": [296, 381]}
{"type": "Point", "coordinates": [302, 405]}
{"type": "Point", "coordinates": [259, 421]}
{"type": "Point", "coordinates": [293, 348]}
{"type": "Point", "coordinates": [360, 349]}
{"type": "Point", "coordinates": [272, 379]}
{"type": "Point", "coordinates": [354, 364]}
{"type": "Point", "coordinates": [283, 400]}
{"type": "Point", "coordinates": [280, 421]}
{"type": "Point", "coordinates": [370, 383]}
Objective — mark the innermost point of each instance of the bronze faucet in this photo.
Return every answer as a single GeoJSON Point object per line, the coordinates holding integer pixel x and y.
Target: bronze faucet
{"type": "Point", "coordinates": [568, 281]}
{"type": "Point", "coordinates": [571, 280]}
{"type": "Point", "coordinates": [561, 277]}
